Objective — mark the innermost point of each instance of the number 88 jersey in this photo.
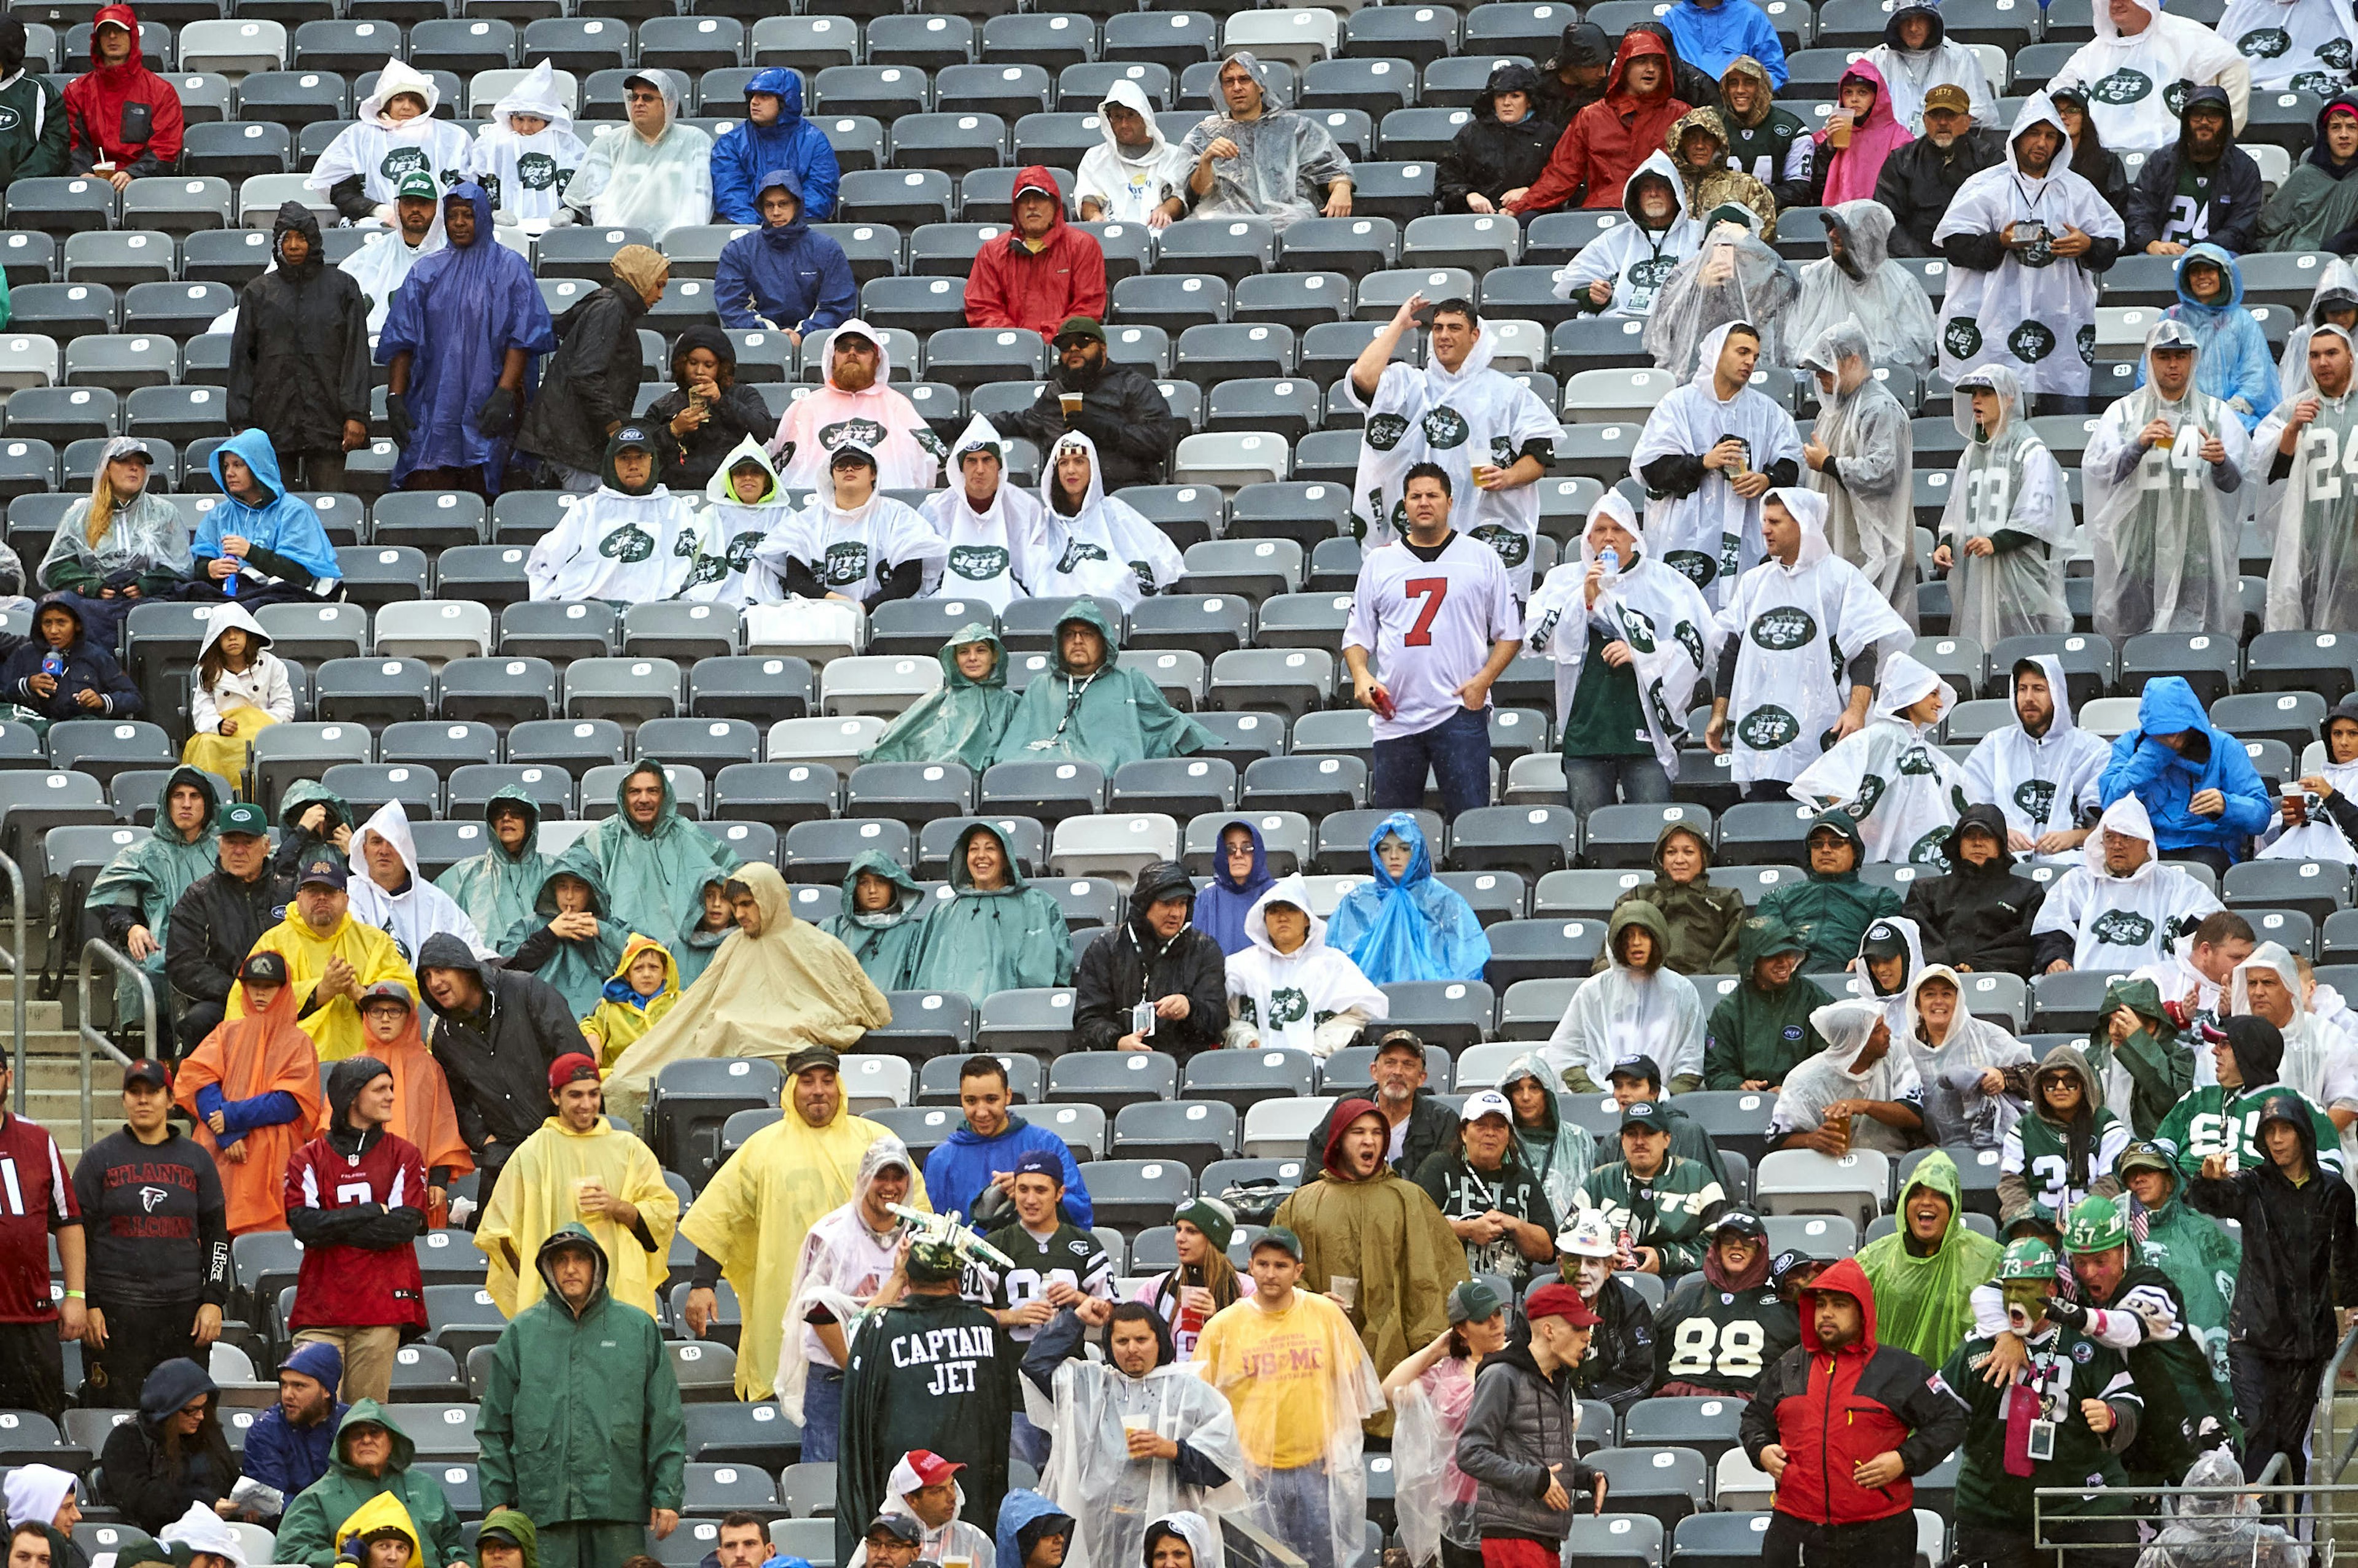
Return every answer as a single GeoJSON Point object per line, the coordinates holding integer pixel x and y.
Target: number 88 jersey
{"type": "Point", "coordinates": [1720, 1340]}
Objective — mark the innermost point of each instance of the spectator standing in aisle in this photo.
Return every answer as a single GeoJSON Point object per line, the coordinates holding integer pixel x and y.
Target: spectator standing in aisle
{"type": "Point", "coordinates": [2042, 771]}
{"type": "Point", "coordinates": [653, 861]}
{"type": "Point", "coordinates": [1159, 965]}
{"type": "Point", "coordinates": [528, 153]}
{"type": "Point", "coordinates": [217, 920]}
{"type": "Point", "coordinates": [1608, 140]}
{"type": "Point", "coordinates": [707, 414]}
{"type": "Point", "coordinates": [785, 277]}
{"type": "Point", "coordinates": [594, 1488]}
{"type": "Point", "coordinates": [1710, 34]}
{"type": "Point", "coordinates": [772, 135]}
{"type": "Point", "coordinates": [2202, 186]}
{"type": "Point", "coordinates": [1257, 158]}
{"type": "Point", "coordinates": [290, 1446]}
{"type": "Point", "coordinates": [1920, 179]}
{"type": "Point", "coordinates": [463, 341]}
{"type": "Point", "coordinates": [2194, 780]}
{"type": "Point", "coordinates": [299, 361]}
{"type": "Point", "coordinates": [123, 120]}
{"type": "Point", "coordinates": [1924, 1273]}
{"type": "Point", "coordinates": [1859, 454]}
{"type": "Point", "coordinates": [1431, 1391]}
{"type": "Point", "coordinates": [157, 1241]}
{"type": "Point", "coordinates": [1707, 457]}
{"type": "Point", "coordinates": [2007, 525]}
{"type": "Point", "coordinates": [1521, 1431]}
{"type": "Point", "coordinates": [850, 1262]}
{"type": "Point", "coordinates": [394, 134]}
{"type": "Point", "coordinates": [2121, 907]}
{"type": "Point", "coordinates": [171, 1457]}
{"type": "Point", "coordinates": [1440, 617]}
{"type": "Point", "coordinates": [1135, 176]}
{"type": "Point", "coordinates": [355, 1200]}
{"type": "Point", "coordinates": [1760, 1031]}
{"type": "Point", "coordinates": [1418, 1124]}
{"type": "Point", "coordinates": [383, 263]}
{"type": "Point", "coordinates": [133, 894]}
{"type": "Point", "coordinates": [373, 1458]}
{"type": "Point", "coordinates": [593, 379]}
{"type": "Point", "coordinates": [331, 959]}
{"type": "Point", "coordinates": [2139, 65]}
{"type": "Point", "coordinates": [1042, 270]}
{"type": "Point", "coordinates": [258, 1078]}
{"type": "Point", "coordinates": [654, 171]}
{"type": "Point", "coordinates": [1492, 436]}
{"type": "Point", "coordinates": [1621, 271]}
{"type": "Point", "coordinates": [2303, 444]}
{"type": "Point", "coordinates": [1727, 1323]}
{"type": "Point", "coordinates": [856, 403]}
{"type": "Point", "coordinates": [1119, 408]}
{"type": "Point", "coordinates": [1917, 55]}
{"type": "Point", "coordinates": [495, 1032]}
{"type": "Point", "coordinates": [33, 144]}
{"type": "Point", "coordinates": [1502, 149]}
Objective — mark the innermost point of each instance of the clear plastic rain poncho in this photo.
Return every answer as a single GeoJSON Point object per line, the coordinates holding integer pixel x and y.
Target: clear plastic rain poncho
{"type": "Point", "coordinates": [1106, 550]}
{"type": "Point", "coordinates": [1958, 1111]}
{"type": "Point", "coordinates": [2235, 366]}
{"type": "Point", "coordinates": [2337, 289]}
{"type": "Point", "coordinates": [838, 1239]}
{"type": "Point", "coordinates": [528, 174]}
{"type": "Point", "coordinates": [627, 181]}
{"type": "Point", "coordinates": [1459, 418]}
{"type": "Point", "coordinates": [1802, 625]}
{"type": "Point", "coordinates": [996, 554]}
{"type": "Point", "coordinates": [2044, 304]}
{"type": "Point", "coordinates": [1635, 259]}
{"type": "Point", "coordinates": [380, 149]}
{"type": "Point", "coordinates": [1733, 277]}
{"type": "Point", "coordinates": [1835, 1074]}
{"type": "Point", "coordinates": [1896, 783]}
{"type": "Point", "coordinates": [1871, 495]}
{"type": "Point", "coordinates": [2223, 1529]}
{"type": "Point", "coordinates": [2119, 923]}
{"type": "Point", "coordinates": [2165, 522]}
{"type": "Point", "coordinates": [2315, 1061]}
{"type": "Point", "coordinates": [1284, 160]}
{"type": "Point", "coordinates": [1434, 1498]}
{"type": "Point", "coordinates": [380, 266]}
{"type": "Point", "coordinates": [731, 530]}
{"type": "Point", "coordinates": [1712, 535]}
{"type": "Point", "coordinates": [850, 549]}
{"type": "Point", "coordinates": [2010, 491]}
{"type": "Point", "coordinates": [1866, 288]}
{"type": "Point", "coordinates": [1624, 1011]}
{"type": "Point", "coordinates": [2313, 573]}
{"type": "Point", "coordinates": [1671, 633]}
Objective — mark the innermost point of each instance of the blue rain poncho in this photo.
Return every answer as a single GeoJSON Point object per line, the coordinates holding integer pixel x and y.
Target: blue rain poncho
{"type": "Point", "coordinates": [1222, 905]}
{"type": "Point", "coordinates": [884, 942]}
{"type": "Point", "coordinates": [655, 877]}
{"type": "Point", "coordinates": [1010, 937]}
{"type": "Point", "coordinates": [480, 301]}
{"type": "Point", "coordinates": [961, 722]}
{"type": "Point", "coordinates": [751, 152]}
{"type": "Point", "coordinates": [1412, 929]}
{"type": "Point", "coordinates": [283, 525]}
{"type": "Point", "coordinates": [2235, 365]}
{"type": "Point", "coordinates": [1710, 38]}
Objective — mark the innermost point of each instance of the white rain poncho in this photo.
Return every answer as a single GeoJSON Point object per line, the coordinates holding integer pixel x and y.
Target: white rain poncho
{"type": "Point", "coordinates": [1284, 997]}
{"type": "Point", "coordinates": [1863, 985]}
{"type": "Point", "coordinates": [2043, 783]}
{"type": "Point", "coordinates": [626, 180]}
{"type": "Point", "coordinates": [1733, 277]}
{"type": "Point", "coordinates": [1890, 776]}
{"type": "Point", "coordinates": [1621, 1013]}
{"type": "Point", "coordinates": [2337, 289]}
{"type": "Point", "coordinates": [2134, 84]}
{"type": "Point", "coordinates": [1130, 189]}
{"type": "Point", "coordinates": [1090, 1474]}
{"type": "Point", "coordinates": [851, 551]}
{"type": "Point", "coordinates": [2165, 522]}
{"type": "Point", "coordinates": [1868, 288]}
{"type": "Point", "coordinates": [2224, 1529]}
{"type": "Point", "coordinates": [1107, 549]}
{"type": "Point", "coordinates": [418, 911]}
{"type": "Point", "coordinates": [1710, 534]}
{"type": "Point", "coordinates": [2315, 1060]}
{"type": "Point", "coordinates": [1802, 626]}
{"type": "Point", "coordinates": [1908, 75]}
{"type": "Point", "coordinates": [2044, 305]}
{"type": "Point", "coordinates": [527, 176]}
{"type": "Point", "coordinates": [1871, 495]}
{"type": "Point", "coordinates": [2008, 482]}
{"type": "Point", "coordinates": [730, 530]}
{"type": "Point", "coordinates": [1833, 1074]}
{"type": "Point", "coordinates": [381, 150]}
{"type": "Point", "coordinates": [877, 417]}
{"type": "Point", "coordinates": [382, 264]}
{"type": "Point", "coordinates": [1637, 260]}
{"type": "Point", "coordinates": [995, 554]}
{"type": "Point", "coordinates": [1957, 1110]}
{"type": "Point", "coordinates": [1673, 633]}
{"type": "Point", "coordinates": [956, 1539]}
{"type": "Point", "coordinates": [2313, 572]}
{"type": "Point", "coordinates": [1284, 160]}
{"type": "Point", "coordinates": [2120, 922]}
{"type": "Point", "coordinates": [2302, 44]}
{"type": "Point", "coordinates": [630, 549]}
{"type": "Point", "coordinates": [1457, 419]}
{"type": "Point", "coordinates": [1202, 1535]}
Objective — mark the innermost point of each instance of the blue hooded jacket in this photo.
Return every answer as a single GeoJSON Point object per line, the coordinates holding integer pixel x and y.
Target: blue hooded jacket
{"type": "Point", "coordinates": [1416, 928]}
{"type": "Point", "coordinates": [1018, 1509]}
{"type": "Point", "coordinates": [282, 525]}
{"type": "Point", "coordinates": [786, 278]}
{"type": "Point", "coordinates": [2234, 361]}
{"type": "Point", "coordinates": [958, 1171]}
{"type": "Point", "coordinates": [1709, 38]}
{"type": "Point", "coordinates": [2164, 780]}
{"type": "Point", "coordinates": [1222, 905]}
{"type": "Point", "coordinates": [289, 1458]}
{"type": "Point", "coordinates": [750, 153]}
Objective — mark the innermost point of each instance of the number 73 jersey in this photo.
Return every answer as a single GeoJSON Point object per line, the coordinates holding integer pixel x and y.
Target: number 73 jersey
{"type": "Point", "coordinates": [2314, 577]}
{"type": "Point", "coordinates": [1721, 1339]}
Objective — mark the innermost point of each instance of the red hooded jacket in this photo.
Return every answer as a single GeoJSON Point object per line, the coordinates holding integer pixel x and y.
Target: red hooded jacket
{"type": "Point", "coordinates": [1831, 1410]}
{"type": "Point", "coordinates": [95, 106]}
{"type": "Point", "coordinates": [1014, 285]}
{"type": "Point", "coordinates": [1607, 140]}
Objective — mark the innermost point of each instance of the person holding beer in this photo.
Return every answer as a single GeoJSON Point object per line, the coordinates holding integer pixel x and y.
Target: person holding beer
{"type": "Point", "coordinates": [1857, 1093]}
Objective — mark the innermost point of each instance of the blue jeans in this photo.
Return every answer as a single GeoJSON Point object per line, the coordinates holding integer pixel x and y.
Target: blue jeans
{"type": "Point", "coordinates": [822, 1414]}
{"type": "Point", "coordinates": [1455, 751]}
{"type": "Point", "coordinates": [1590, 782]}
{"type": "Point", "coordinates": [1300, 1510]}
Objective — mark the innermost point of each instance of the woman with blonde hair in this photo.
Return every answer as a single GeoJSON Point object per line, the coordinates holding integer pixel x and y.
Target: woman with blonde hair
{"type": "Point", "coordinates": [121, 545]}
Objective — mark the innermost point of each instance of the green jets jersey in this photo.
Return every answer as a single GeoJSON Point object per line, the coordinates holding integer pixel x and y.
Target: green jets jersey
{"type": "Point", "coordinates": [2197, 1126]}
{"type": "Point", "coordinates": [2066, 1367]}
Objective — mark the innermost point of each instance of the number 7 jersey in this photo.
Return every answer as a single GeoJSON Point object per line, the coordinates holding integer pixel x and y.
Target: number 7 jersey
{"type": "Point", "coordinates": [2313, 578]}
{"type": "Point", "coordinates": [1431, 625]}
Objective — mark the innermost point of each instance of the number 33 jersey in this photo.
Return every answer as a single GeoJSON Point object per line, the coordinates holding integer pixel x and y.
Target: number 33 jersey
{"type": "Point", "coordinates": [1430, 625]}
{"type": "Point", "coordinates": [1721, 1340]}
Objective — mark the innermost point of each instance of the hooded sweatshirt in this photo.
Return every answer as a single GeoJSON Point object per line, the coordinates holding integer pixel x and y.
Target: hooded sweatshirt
{"type": "Point", "coordinates": [1908, 75]}
{"type": "Point", "coordinates": [1636, 258]}
{"type": "Point", "coordinates": [526, 176]}
{"type": "Point", "coordinates": [287, 544]}
{"type": "Point", "coordinates": [1773, 146]}
{"type": "Point", "coordinates": [1413, 927]}
{"type": "Point", "coordinates": [33, 144]}
{"type": "Point", "coordinates": [1034, 284]}
{"type": "Point", "coordinates": [2099, 921]}
{"type": "Point", "coordinates": [309, 1533]}
{"type": "Point", "coordinates": [1756, 1035]}
{"type": "Point", "coordinates": [1312, 999]}
{"type": "Point", "coordinates": [882, 941]}
{"type": "Point", "coordinates": [2235, 365]}
{"type": "Point", "coordinates": [1135, 965]}
{"type": "Point", "coordinates": [1976, 915]}
{"type": "Point", "coordinates": [1607, 140]}
{"type": "Point", "coordinates": [1701, 921]}
{"type": "Point", "coordinates": [1710, 36]}
{"type": "Point", "coordinates": [746, 157]}
{"type": "Point", "coordinates": [2178, 200]}
{"type": "Point", "coordinates": [1848, 174]}
{"type": "Point", "coordinates": [659, 185]}
{"type": "Point", "coordinates": [2132, 81]}
{"type": "Point", "coordinates": [1490, 157]}
{"type": "Point", "coordinates": [2055, 1160]}
{"type": "Point", "coordinates": [416, 909]}
{"type": "Point", "coordinates": [299, 363]}
{"type": "Point", "coordinates": [1222, 903]}
{"type": "Point", "coordinates": [784, 278]}
{"type": "Point", "coordinates": [1833, 909]}
{"type": "Point", "coordinates": [2164, 780]}
{"type": "Point", "coordinates": [1109, 715]}
{"type": "Point", "coordinates": [1626, 1011]}
{"type": "Point", "coordinates": [152, 1485]}
{"type": "Point", "coordinates": [908, 454]}
{"type": "Point", "coordinates": [1923, 1294]}
{"type": "Point", "coordinates": [356, 1199]}
{"type": "Point", "coordinates": [125, 115]}
{"type": "Point", "coordinates": [498, 888]}
{"type": "Point", "coordinates": [1129, 185]}
{"type": "Point", "coordinates": [497, 1056]}
{"type": "Point", "coordinates": [363, 167]}
{"type": "Point", "coordinates": [2300, 1243]}
{"type": "Point", "coordinates": [82, 665]}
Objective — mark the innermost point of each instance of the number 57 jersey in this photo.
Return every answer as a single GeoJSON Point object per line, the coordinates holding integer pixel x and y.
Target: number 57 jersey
{"type": "Point", "coordinates": [2313, 578]}
{"type": "Point", "coordinates": [1710, 1340]}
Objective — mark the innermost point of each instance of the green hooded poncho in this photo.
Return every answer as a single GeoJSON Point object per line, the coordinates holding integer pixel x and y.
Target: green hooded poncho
{"type": "Point", "coordinates": [1833, 912]}
{"type": "Point", "coordinates": [1755, 1036]}
{"type": "Point", "coordinates": [2198, 1258]}
{"type": "Point", "coordinates": [497, 888]}
{"type": "Point", "coordinates": [518, 1524]}
{"type": "Point", "coordinates": [653, 877]}
{"type": "Point", "coordinates": [1925, 1304]}
{"type": "Point", "coordinates": [883, 943]}
{"type": "Point", "coordinates": [296, 846]}
{"type": "Point", "coordinates": [1703, 919]}
{"type": "Point", "coordinates": [1010, 938]}
{"type": "Point", "coordinates": [579, 969]}
{"type": "Point", "coordinates": [961, 722]}
{"type": "Point", "coordinates": [2148, 1073]}
{"type": "Point", "coordinates": [1561, 1152]}
{"type": "Point", "coordinates": [1112, 717]}
{"type": "Point", "coordinates": [150, 876]}
{"type": "Point", "coordinates": [307, 1533]}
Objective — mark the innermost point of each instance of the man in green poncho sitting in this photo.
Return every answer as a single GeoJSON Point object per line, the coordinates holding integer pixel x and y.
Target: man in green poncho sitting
{"type": "Point", "coordinates": [1832, 910]}
{"type": "Point", "coordinates": [652, 861]}
{"type": "Point", "coordinates": [133, 897]}
{"type": "Point", "coordinates": [998, 933]}
{"type": "Point", "coordinates": [1760, 1031]}
{"type": "Point", "coordinates": [499, 887]}
{"type": "Point", "coordinates": [2187, 1245]}
{"type": "Point", "coordinates": [883, 915]}
{"type": "Point", "coordinates": [1924, 1273]}
{"type": "Point", "coordinates": [961, 722]}
{"type": "Point", "coordinates": [1088, 709]}
{"type": "Point", "coordinates": [2140, 1061]}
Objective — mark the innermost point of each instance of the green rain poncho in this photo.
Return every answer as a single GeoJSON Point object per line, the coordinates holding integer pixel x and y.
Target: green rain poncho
{"type": "Point", "coordinates": [2196, 1254]}
{"type": "Point", "coordinates": [1760, 1036]}
{"type": "Point", "coordinates": [1924, 1304]}
{"type": "Point", "coordinates": [655, 877]}
{"type": "Point", "coordinates": [2145, 1076]}
{"type": "Point", "coordinates": [497, 888]}
{"type": "Point", "coordinates": [1833, 912]}
{"type": "Point", "coordinates": [959, 723]}
{"type": "Point", "coordinates": [150, 876]}
{"type": "Point", "coordinates": [883, 943]}
{"type": "Point", "coordinates": [307, 1532]}
{"type": "Point", "coordinates": [1010, 938]}
{"type": "Point", "coordinates": [1108, 718]}
{"type": "Point", "coordinates": [577, 967]}
{"type": "Point", "coordinates": [296, 846]}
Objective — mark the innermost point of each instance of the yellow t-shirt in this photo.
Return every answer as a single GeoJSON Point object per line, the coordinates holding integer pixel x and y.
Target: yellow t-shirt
{"type": "Point", "coordinates": [1294, 1378]}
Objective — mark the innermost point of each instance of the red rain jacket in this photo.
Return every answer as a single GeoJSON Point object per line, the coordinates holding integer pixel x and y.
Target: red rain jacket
{"type": "Point", "coordinates": [1607, 140]}
{"type": "Point", "coordinates": [95, 106]}
{"type": "Point", "coordinates": [1013, 285]}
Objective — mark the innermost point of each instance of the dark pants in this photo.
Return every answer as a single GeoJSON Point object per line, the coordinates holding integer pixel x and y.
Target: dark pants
{"type": "Point", "coordinates": [1455, 751]}
{"type": "Point", "coordinates": [198, 1019]}
{"type": "Point", "coordinates": [321, 472]}
{"type": "Point", "coordinates": [32, 1369]}
{"type": "Point", "coordinates": [2084, 1543]}
{"type": "Point", "coordinates": [1795, 1542]}
{"type": "Point", "coordinates": [2062, 403]}
{"type": "Point", "coordinates": [1777, 790]}
{"type": "Point", "coordinates": [2276, 1398]}
{"type": "Point", "coordinates": [822, 1413]}
{"type": "Point", "coordinates": [1455, 1556]}
{"type": "Point", "coordinates": [2202, 855]}
{"type": "Point", "coordinates": [137, 1339]}
{"type": "Point", "coordinates": [591, 1544]}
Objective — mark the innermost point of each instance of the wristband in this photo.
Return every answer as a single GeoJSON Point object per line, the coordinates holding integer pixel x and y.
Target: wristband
{"type": "Point", "coordinates": [75, 1296]}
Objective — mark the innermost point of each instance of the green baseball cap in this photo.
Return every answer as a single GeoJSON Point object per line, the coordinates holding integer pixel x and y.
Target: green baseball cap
{"type": "Point", "coordinates": [242, 816]}
{"type": "Point", "coordinates": [2096, 1225]}
{"type": "Point", "coordinates": [2027, 1259]}
{"type": "Point", "coordinates": [1474, 1301]}
{"type": "Point", "coordinates": [417, 183]}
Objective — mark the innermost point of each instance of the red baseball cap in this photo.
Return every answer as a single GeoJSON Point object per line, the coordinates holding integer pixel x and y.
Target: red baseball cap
{"type": "Point", "coordinates": [570, 1068]}
{"type": "Point", "coordinates": [1559, 1301]}
{"type": "Point", "coordinates": [930, 1468]}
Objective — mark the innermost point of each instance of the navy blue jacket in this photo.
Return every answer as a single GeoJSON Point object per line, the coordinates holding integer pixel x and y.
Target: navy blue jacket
{"type": "Point", "coordinates": [289, 1458]}
{"type": "Point", "coordinates": [790, 278]}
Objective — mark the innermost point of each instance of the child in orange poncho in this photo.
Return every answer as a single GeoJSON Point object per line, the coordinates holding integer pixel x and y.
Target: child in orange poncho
{"type": "Point", "coordinates": [253, 1086]}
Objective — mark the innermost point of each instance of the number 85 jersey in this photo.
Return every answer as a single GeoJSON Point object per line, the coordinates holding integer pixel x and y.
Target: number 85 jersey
{"type": "Point", "coordinates": [1710, 1339]}
{"type": "Point", "coordinates": [1430, 625]}
{"type": "Point", "coordinates": [2315, 569]}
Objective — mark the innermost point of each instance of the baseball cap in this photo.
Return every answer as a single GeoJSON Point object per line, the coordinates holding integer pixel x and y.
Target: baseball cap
{"type": "Point", "coordinates": [570, 1068]}
{"type": "Point", "coordinates": [242, 816]}
{"type": "Point", "coordinates": [1487, 1102]}
{"type": "Point", "coordinates": [1647, 1114]}
{"type": "Point", "coordinates": [263, 969]}
{"type": "Point", "coordinates": [1950, 96]}
{"type": "Point", "coordinates": [1040, 186]}
{"type": "Point", "coordinates": [1400, 1040]}
{"type": "Point", "coordinates": [2143, 1154]}
{"type": "Point", "coordinates": [1556, 1299]}
{"type": "Point", "coordinates": [1040, 1162]}
{"type": "Point", "coordinates": [930, 1468]}
{"type": "Point", "coordinates": [811, 1056]}
{"type": "Point", "coordinates": [147, 1070]}
{"type": "Point", "coordinates": [417, 184]}
{"type": "Point", "coordinates": [632, 435]}
{"type": "Point", "coordinates": [1883, 940]}
{"type": "Point", "coordinates": [903, 1528]}
{"type": "Point", "coordinates": [499, 1533]}
{"type": "Point", "coordinates": [851, 454]}
{"type": "Point", "coordinates": [1472, 1301]}
{"type": "Point", "coordinates": [1739, 1219]}
{"type": "Point", "coordinates": [325, 872]}
{"type": "Point", "coordinates": [387, 990]}
{"type": "Point", "coordinates": [1086, 327]}
{"type": "Point", "coordinates": [1639, 1066]}
{"type": "Point", "coordinates": [1280, 1237]}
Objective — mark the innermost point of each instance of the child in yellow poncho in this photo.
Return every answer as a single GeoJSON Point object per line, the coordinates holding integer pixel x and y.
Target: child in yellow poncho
{"type": "Point", "coordinates": [643, 986]}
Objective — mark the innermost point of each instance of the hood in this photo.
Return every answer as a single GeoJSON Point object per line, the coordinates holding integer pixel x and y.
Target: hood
{"type": "Point", "coordinates": [1845, 340]}
{"type": "Point", "coordinates": [2257, 1046]}
{"type": "Point", "coordinates": [1879, 114]}
{"type": "Point", "coordinates": [536, 94]}
{"type": "Point", "coordinates": [788, 87]}
{"type": "Point", "coordinates": [380, 1513]}
{"type": "Point", "coordinates": [305, 793]}
{"type": "Point", "coordinates": [1420, 858]}
{"type": "Point", "coordinates": [2057, 688]}
{"type": "Point", "coordinates": [1847, 1027]}
{"type": "Point", "coordinates": [1614, 507]}
{"type": "Point", "coordinates": [1938, 1172]}
{"type": "Point", "coordinates": [201, 1531]}
{"type": "Point", "coordinates": [2168, 707]}
{"type": "Point", "coordinates": [911, 895]}
{"type": "Point", "coordinates": [348, 1078]}
{"type": "Point", "coordinates": [204, 784]}
{"type": "Point", "coordinates": [1128, 95]}
{"type": "Point", "coordinates": [1535, 1066]}
{"type": "Point", "coordinates": [36, 1491]}
{"type": "Point", "coordinates": [674, 87]}
{"type": "Point", "coordinates": [294, 218]}
{"type": "Point", "coordinates": [172, 1385]}
{"type": "Point", "coordinates": [1203, 1540]}
{"type": "Point", "coordinates": [1903, 683]}
{"type": "Point", "coordinates": [792, 231]}
{"type": "Point", "coordinates": [956, 679]}
{"type": "Point", "coordinates": [1929, 8]}
{"type": "Point", "coordinates": [392, 825]}
{"type": "Point", "coordinates": [516, 1523]}
{"type": "Point", "coordinates": [1846, 1278]}
{"type": "Point", "coordinates": [1508, 79]}
{"type": "Point", "coordinates": [252, 448]}
{"type": "Point", "coordinates": [371, 1414]}
{"type": "Point", "coordinates": [2170, 333]}
{"type": "Point", "coordinates": [1865, 229]}
{"type": "Point", "coordinates": [2282, 1104]}
{"type": "Point", "coordinates": [2125, 816]}
{"type": "Point", "coordinates": [1765, 936]}
{"type": "Point", "coordinates": [523, 800]}
{"type": "Point", "coordinates": [718, 489]}
{"type": "Point", "coordinates": [1074, 441]}
{"type": "Point", "coordinates": [2009, 387]}
{"type": "Point", "coordinates": [617, 987]}
{"type": "Point", "coordinates": [1582, 43]}
{"type": "Point", "coordinates": [2217, 98]}
{"type": "Point", "coordinates": [1637, 43]}
{"type": "Point", "coordinates": [2221, 1475]}
{"type": "Point", "coordinates": [1272, 96]}
{"type": "Point", "coordinates": [1346, 1112]}
{"type": "Point", "coordinates": [573, 1233]}
{"type": "Point", "coordinates": [1842, 823]}
{"type": "Point", "coordinates": [961, 878]}
{"type": "Point", "coordinates": [777, 903]}
{"type": "Point", "coordinates": [1702, 843]}
{"type": "Point", "coordinates": [2072, 1060]}
{"type": "Point", "coordinates": [2108, 32]}
{"type": "Point", "coordinates": [583, 868]}
{"type": "Point", "coordinates": [2320, 153]}
{"type": "Point", "coordinates": [1636, 912]}
{"type": "Point", "coordinates": [1807, 507]}
{"type": "Point", "coordinates": [666, 810]}
{"type": "Point", "coordinates": [1038, 174]}
{"type": "Point", "coordinates": [2346, 708]}
{"type": "Point", "coordinates": [1705, 120]}
{"type": "Point", "coordinates": [1088, 610]}
{"type": "Point", "coordinates": [1024, 1516]}
{"type": "Point", "coordinates": [231, 613]}
{"type": "Point", "coordinates": [2039, 110]}
{"type": "Point", "coordinates": [397, 78]}
{"type": "Point", "coordinates": [1759, 74]}
{"type": "Point", "coordinates": [133, 64]}
{"type": "Point", "coordinates": [1259, 876]}
{"type": "Point", "coordinates": [2206, 251]}
{"type": "Point", "coordinates": [2272, 957]}
{"type": "Point", "coordinates": [66, 604]}
{"type": "Point", "coordinates": [856, 327]}
{"type": "Point", "coordinates": [1882, 929]}
{"type": "Point", "coordinates": [1157, 881]}
{"type": "Point", "coordinates": [885, 1151]}
{"type": "Point", "coordinates": [703, 336]}
{"type": "Point", "coordinates": [1990, 820]}
{"type": "Point", "coordinates": [1291, 890]}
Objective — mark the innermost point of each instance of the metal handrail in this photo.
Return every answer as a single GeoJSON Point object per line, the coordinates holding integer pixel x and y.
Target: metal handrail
{"type": "Point", "coordinates": [90, 1037]}
{"type": "Point", "coordinates": [2269, 1484]}
{"type": "Point", "coordinates": [2325, 1388]}
{"type": "Point", "coordinates": [13, 963]}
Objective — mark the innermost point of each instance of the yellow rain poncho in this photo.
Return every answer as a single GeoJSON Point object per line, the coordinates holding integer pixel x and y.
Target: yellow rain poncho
{"type": "Point", "coordinates": [335, 1029]}
{"type": "Point", "coordinates": [759, 1205]}
{"type": "Point", "coordinates": [768, 995]}
{"type": "Point", "coordinates": [622, 1016]}
{"type": "Point", "coordinates": [536, 1196]}
{"type": "Point", "coordinates": [380, 1512]}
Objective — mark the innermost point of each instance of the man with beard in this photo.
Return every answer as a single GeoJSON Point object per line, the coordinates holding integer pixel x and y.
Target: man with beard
{"type": "Point", "coordinates": [856, 403]}
{"type": "Point", "coordinates": [381, 266]}
{"type": "Point", "coordinates": [2202, 188]}
{"type": "Point", "coordinates": [2310, 581]}
{"type": "Point", "coordinates": [1721, 1330]}
{"type": "Point", "coordinates": [2043, 772]}
{"type": "Point", "coordinates": [1114, 406]}
{"type": "Point", "coordinates": [1920, 178]}
{"type": "Point", "coordinates": [1764, 139]}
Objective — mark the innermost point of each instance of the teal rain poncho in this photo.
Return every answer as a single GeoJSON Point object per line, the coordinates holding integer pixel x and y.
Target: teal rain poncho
{"type": "Point", "coordinates": [577, 967]}
{"type": "Point", "coordinates": [1110, 717]}
{"type": "Point", "coordinates": [497, 888]}
{"type": "Point", "coordinates": [883, 943]}
{"type": "Point", "coordinates": [1415, 928]}
{"type": "Point", "coordinates": [654, 876]}
{"type": "Point", "coordinates": [1561, 1152]}
{"type": "Point", "coordinates": [1011, 937]}
{"type": "Point", "coordinates": [959, 723]}
{"type": "Point", "coordinates": [2200, 1258]}
{"type": "Point", "coordinates": [150, 876]}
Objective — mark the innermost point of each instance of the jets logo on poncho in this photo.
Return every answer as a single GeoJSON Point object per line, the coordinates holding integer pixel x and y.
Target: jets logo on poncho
{"type": "Point", "coordinates": [2323, 84]}
{"type": "Point", "coordinates": [1870, 794]}
{"type": "Point", "coordinates": [1769, 728]}
{"type": "Point", "coordinates": [1502, 450]}
{"type": "Point", "coordinates": [684, 546]}
{"type": "Point", "coordinates": [2035, 798]}
{"type": "Point", "coordinates": [1691, 640]}
{"type": "Point", "coordinates": [2337, 53]}
{"type": "Point", "coordinates": [2031, 342]}
{"type": "Point", "coordinates": [741, 551]}
{"type": "Point", "coordinates": [1444, 428]}
{"type": "Point", "coordinates": [628, 543]}
{"type": "Point", "coordinates": [2176, 94]}
{"type": "Point", "coordinates": [1384, 432]}
{"type": "Point", "coordinates": [1927, 851]}
{"type": "Point", "coordinates": [866, 432]}
{"type": "Point", "coordinates": [1287, 1005]}
{"type": "Point", "coordinates": [1145, 575]}
{"type": "Point", "coordinates": [1512, 547]}
{"type": "Point", "coordinates": [708, 569]}
{"type": "Point", "coordinates": [847, 563]}
{"type": "Point", "coordinates": [978, 563]}
{"type": "Point", "coordinates": [1962, 338]}
{"type": "Point", "coordinates": [1783, 629]}
{"type": "Point", "coordinates": [2122, 928]}
{"type": "Point", "coordinates": [931, 442]}
{"type": "Point", "coordinates": [536, 171]}
{"type": "Point", "coordinates": [1078, 551]}
{"type": "Point", "coordinates": [400, 161]}
{"type": "Point", "coordinates": [1670, 722]}
{"type": "Point", "coordinates": [1637, 629]}
{"type": "Point", "coordinates": [2265, 43]}
{"type": "Point", "coordinates": [1647, 276]}
{"type": "Point", "coordinates": [1915, 761]}
{"type": "Point", "coordinates": [1692, 564]}
{"type": "Point", "coordinates": [2124, 86]}
{"type": "Point", "coordinates": [2085, 338]}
